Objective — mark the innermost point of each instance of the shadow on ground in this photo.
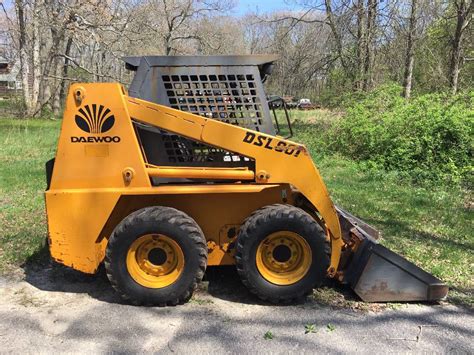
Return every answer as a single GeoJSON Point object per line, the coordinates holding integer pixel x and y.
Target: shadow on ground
{"type": "Point", "coordinates": [221, 282]}
{"type": "Point", "coordinates": [43, 273]}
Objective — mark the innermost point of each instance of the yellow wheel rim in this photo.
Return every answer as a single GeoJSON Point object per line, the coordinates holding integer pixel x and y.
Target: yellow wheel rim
{"type": "Point", "coordinates": [283, 258]}
{"type": "Point", "coordinates": [155, 260]}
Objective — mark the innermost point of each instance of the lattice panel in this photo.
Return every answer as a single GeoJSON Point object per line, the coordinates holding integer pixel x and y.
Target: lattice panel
{"type": "Point", "coordinates": [164, 148]}
{"type": "Point", "coordinates": [230, 98]}
{"type": "Point", "coordinates": [182, 150]}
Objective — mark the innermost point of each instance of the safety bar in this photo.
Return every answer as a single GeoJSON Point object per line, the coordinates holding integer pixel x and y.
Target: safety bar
{"type": "Point", "coordinates": [202, 173]}
{"type": "Point", "coordinates": [272, 107]}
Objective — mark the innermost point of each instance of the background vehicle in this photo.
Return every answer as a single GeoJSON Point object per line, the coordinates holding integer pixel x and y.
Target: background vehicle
{"type": "Point", "coordinates": [305, 104]}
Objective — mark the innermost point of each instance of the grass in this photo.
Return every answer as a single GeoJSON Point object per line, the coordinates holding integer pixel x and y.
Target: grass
{"type": "Point", "coordinates": [430, 225]}
{"type": "Point", "coordinates": [25, 147]}
{"type": "Point", "coordinates": [10, 106]}
{"type": "Point", "coordinates": [310, 328]}
{"type": "Point", "coordinates": [268, 335]}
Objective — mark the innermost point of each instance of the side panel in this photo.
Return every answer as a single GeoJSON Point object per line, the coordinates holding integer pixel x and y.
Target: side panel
{"type": "Point", "coordinates": [75, 219]}
{"type": "Point", "coordinates": [80, 221]}
{"type": "Point", "coordinates": [97, 141]}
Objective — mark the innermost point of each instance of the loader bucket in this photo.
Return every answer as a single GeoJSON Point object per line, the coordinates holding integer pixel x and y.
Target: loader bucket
{"type": "Point", "coordinates": [377, 274]}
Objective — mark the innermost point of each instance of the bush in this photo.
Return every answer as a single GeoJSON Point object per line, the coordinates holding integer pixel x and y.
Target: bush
{"type": "Point", "coordinates": [12, 107]}
{"type": "Point", "coordinates": [427, 137]}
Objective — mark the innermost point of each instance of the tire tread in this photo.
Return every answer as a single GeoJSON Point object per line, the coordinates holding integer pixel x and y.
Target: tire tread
{"type": "Point", "coordinates": [156, 214]}
{"type": "Point", "coordinates": [261, 217]}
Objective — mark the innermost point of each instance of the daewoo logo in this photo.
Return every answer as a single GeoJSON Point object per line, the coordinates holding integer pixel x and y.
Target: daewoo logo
{"type": "Point", "coordinates": [95, 119]}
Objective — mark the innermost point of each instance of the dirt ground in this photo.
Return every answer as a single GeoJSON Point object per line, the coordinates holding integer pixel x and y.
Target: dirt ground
{"type": "Point", "coordinates": [51, 309]}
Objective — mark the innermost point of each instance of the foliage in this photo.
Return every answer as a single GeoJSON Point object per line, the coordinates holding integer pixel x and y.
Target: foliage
{"type": "Point", "coordinates": [431, 72]}
{"type": "Point", "coordinates": [427, 138]}
{"type": "Point", "coordinates": [337, 89]}
{"type": "Point", "coordinates": [310, 328]}
{"type": "Point", "coordinates": [268, 335]}
{"type": "Point", "coordinates": [14, 106]}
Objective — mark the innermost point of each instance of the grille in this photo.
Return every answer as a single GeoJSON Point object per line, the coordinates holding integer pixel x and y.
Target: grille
{"type": "Point", "coordinates": [163, 148]}
{"type": "Point", "coordinates": [181, 150]}
{"type": "Point", "coordinates": [226, 88]}
{"type": "Point", "coordinates": [229, 98]}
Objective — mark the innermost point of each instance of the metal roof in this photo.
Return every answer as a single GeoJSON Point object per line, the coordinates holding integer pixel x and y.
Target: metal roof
{"type": "Point", "coordinates": [200, 60]}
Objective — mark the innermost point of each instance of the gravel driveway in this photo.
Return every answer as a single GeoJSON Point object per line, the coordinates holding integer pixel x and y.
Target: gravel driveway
{"type": "Point", "coordinates": [52, 309]}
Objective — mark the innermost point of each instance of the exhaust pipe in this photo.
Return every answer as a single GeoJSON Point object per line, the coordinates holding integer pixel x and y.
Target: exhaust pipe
{"type": "Point", "coordinates": [377, 274]}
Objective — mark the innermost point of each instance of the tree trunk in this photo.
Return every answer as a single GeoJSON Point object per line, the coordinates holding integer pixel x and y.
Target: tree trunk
{"type": "Point", "coordinates": [56, 96]}
{"type": "Point", "coordinates": [463, 17]}
{"type": "Point", "coordinates": [455, 58]}
{"type": "Point", "coordinates": [360, 43]}
{"type": "Point", "coordinates": [336, 34]}
{"type": "Point", "coordinates": [35, 91]}
{"type": "Point", "coordinates": [168, 47]}
{"type": "Point", "coordinates": [24, 63]}
{"type": "Point", "coordinates": [410, 55]}
{"type": "Point", "coordinates": [65, 82]}
{"type": "Point", "coordinates": [46, 82]}
{"type": "Point", "coordinates": [369, 45]}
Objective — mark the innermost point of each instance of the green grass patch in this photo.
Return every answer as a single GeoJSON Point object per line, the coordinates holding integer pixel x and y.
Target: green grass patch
{"type": "Point", "coordinates": [25, 147]}
{"type": "Point", "coordinates": [11, 107]}
{"type": "Point", "coordinates": [430, 225]}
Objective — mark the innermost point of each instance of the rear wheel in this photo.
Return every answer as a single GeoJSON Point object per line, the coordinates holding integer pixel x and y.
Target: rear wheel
{"type": "Point", "coordinates": [282, 253]}
{"type": "Point", "coordinates": [156, 256]}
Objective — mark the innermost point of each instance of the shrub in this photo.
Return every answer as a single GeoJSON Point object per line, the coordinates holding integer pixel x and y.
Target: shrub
{"type": "Point", "coordinates": [427, 137]}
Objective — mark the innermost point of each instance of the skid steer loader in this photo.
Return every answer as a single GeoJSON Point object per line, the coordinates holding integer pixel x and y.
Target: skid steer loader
{"type": "Point", "coordinates": [187, 170]}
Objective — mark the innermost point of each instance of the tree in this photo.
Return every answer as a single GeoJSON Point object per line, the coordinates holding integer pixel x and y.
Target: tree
{"type": "Point", "coordinates": [369, 42]}
{"type": "Point", "coordinates": [410, 53]}
{"type": "Point", "coordinates": [23, 51]}
{"type": "Point", "coordinates": [326, 48]}
{"type": "Point", "coordinates": [360, 46]}
{"type": "Point", "coordinates": [174, 21]}
{"type": "Point", "coordinates": [303, 61]}
{"type": "Point", "coordinates": [464, 12]}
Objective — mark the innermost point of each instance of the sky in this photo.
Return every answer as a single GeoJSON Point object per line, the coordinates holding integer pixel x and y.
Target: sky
{"type": "Point", "coordinates": [242, 6]}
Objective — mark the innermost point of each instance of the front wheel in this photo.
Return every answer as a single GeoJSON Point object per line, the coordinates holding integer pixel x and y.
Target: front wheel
{"type": "Point", "coordinates": [282, 253]}
{"type": "Point", "coordinates": [156, 256]}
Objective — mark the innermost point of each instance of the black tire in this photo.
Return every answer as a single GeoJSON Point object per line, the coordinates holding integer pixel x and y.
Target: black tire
{"type": "Point", "coordinates": [179, 227]}
{"type": "Point", "coordinates": [271, 219]}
